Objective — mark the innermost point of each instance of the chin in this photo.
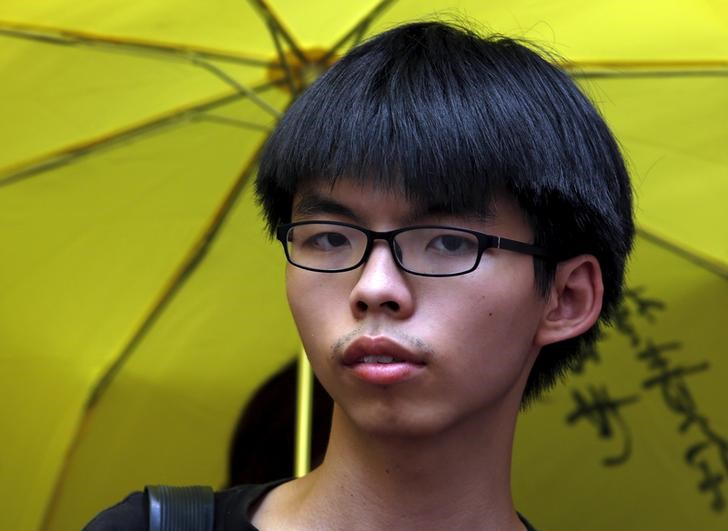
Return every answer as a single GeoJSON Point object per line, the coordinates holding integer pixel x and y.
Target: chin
{"type": "Point", "coordinates": [405, 422]}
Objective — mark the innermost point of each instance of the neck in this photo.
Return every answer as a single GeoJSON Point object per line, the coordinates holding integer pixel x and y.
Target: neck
{"type": "Point", "coordinates": [456, 479]}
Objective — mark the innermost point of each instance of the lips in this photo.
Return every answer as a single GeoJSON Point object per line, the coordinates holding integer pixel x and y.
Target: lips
{"type": "Point", "coordinates": [382, 361]}
{"type": "Point", "coordinates": [380, 350]}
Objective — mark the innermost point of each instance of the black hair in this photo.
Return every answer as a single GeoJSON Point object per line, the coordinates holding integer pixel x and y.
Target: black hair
{"type": "Point", "coordinates": [451, 119]}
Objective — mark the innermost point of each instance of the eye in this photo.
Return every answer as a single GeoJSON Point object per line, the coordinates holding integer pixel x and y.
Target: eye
{"type": "Point", "coordinates": [327, 241]}
{"type": "Point", "coordinates": [453, 244]}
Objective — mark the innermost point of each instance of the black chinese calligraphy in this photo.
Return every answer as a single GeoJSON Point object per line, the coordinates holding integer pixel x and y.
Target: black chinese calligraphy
{"type": "Point", "coordinates": [671, 380]}
{"type": "Point", "coordinates": [604, 413]}
{"type": "Point", "coordinates": [708, 454]}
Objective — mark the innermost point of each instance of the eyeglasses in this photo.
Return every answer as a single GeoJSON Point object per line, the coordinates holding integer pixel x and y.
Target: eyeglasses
{"type": "Point", "coordinates": [426, 250]}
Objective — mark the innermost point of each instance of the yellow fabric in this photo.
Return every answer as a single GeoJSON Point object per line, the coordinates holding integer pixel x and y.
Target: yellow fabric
{"type": "Point", "coordinates": [101, 264]}
{"type": "Point", "coordinates": [560, 478]}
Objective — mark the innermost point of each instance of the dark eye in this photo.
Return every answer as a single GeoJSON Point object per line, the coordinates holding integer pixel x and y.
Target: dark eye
{"type": "Point", "coordinates": [327, 241]}
{"type": "Point", "coordinates": [453, 244]}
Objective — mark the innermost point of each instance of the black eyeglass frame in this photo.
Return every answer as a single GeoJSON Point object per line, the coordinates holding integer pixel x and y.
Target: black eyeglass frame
{"type": "Point", "coordinates": [485, 241]}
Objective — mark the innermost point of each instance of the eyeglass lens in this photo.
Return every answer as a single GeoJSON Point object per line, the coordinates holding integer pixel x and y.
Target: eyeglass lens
{"type": "Point", "coordinates": [430, 251]}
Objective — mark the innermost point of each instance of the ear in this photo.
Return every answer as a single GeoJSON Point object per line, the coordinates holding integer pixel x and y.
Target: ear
{"type": "Point", "coordinates": [574, 301]}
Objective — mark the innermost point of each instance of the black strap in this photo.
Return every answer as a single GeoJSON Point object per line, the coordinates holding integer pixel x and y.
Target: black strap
{"type": "Point", "coordinates": [180, 508]}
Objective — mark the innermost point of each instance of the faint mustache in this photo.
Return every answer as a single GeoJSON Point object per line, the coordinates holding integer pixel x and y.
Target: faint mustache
{"type": "Point", "coordinates": [410, 342]}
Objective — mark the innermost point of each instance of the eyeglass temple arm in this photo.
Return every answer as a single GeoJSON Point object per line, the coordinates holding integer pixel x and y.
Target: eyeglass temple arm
{"type": "Point", "coordinates": [519, 247]}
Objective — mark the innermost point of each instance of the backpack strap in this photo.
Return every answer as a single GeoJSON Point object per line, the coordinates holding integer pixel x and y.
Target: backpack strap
{"type": "Point", "coordinates": [180, 508]}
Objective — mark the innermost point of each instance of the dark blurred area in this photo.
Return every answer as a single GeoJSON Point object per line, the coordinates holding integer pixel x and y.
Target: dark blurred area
{"type": "Point", "coordinates": [262, 448]}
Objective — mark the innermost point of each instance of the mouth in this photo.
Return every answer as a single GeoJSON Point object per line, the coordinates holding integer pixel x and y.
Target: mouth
{"type": "Point", "coordinates": [380, 350]}
{"type": "Point", "coordinates": [382, 361]}
{"type": "Point", "coordinates": [378, 359]}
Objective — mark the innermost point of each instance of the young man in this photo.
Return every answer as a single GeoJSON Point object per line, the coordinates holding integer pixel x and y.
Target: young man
{"type": "Point", "coordinates": [456, 217]}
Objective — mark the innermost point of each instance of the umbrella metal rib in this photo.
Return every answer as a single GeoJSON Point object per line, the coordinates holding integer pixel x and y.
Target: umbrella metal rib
{"type": "Point", "coordinates": [640, 69]}
{"type": "Point", "coordinates": [713, 266]}
{"type": "Point", "coordinates": [67, 37]}
{"type": "Point", "coordinates": [356, 33]}
{"type": "Point", "coordinates": [72, 153]}
{"type": "Point", "coordinates": [195, 56]}
{"type": "Point", "coordinates": [276, 26]}
{"type": "Point", "coordinates": [231, 121]}
{"type": "Point", "coordinates": [274, 31]}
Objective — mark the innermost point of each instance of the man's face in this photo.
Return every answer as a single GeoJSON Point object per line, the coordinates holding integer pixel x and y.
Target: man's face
{"type": "Point", "coordinates": [409, 355]}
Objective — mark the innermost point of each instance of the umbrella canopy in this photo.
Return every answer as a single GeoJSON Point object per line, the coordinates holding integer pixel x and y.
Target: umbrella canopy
{"type": "Point", "coordinates": [141, 303]}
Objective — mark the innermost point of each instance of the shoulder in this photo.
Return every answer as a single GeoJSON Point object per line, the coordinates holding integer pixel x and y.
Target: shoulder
{"type": "Point", "coordinates": [234, 506]}
{"type": "Point", "coordinates": [128, 515]}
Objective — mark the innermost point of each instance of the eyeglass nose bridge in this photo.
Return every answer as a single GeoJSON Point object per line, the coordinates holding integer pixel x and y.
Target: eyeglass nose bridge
{"type": "Point", "coordinates": [387, 236]}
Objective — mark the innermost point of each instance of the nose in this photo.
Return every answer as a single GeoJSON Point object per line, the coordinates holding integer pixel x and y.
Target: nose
{"type": "Point", "coordinates": [382, 286]}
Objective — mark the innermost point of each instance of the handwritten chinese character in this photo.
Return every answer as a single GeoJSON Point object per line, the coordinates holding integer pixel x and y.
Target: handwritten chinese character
{"type": "Point", "coordinates": [603, 412]}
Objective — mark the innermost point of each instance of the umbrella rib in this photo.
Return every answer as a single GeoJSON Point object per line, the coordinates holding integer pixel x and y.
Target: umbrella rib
{"type": "Point", "coordinates": [273, 21]}
{"type": "Point", "coordinates": [231, 121]}
{"type": "Point", "coordinates": [180, 54]}
{"type": "Point", "coordinates": [283, 59]}
{"type": "Point", "coordinates": [188, 265]}
{"type": "Point", "coordinates": [646, 69]}
{"type": "Point", "coordinates": [66, 37]}
{"type": "Point", "coordinates": [708, 264]}
{"type": "Point", "coordinates": [358, 30]}
{"type": "Point", "coordinates": [71, 153]}
{"type": "Point", "coordinates": [646, 64]}
{"type": "Point", "coordinates": [649, 74]}
{"type": "Point", "coordinates": [239, 87]}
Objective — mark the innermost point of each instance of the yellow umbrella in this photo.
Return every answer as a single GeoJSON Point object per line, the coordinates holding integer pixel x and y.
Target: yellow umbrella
{"type": "Point", "coordinates": [141, 303]}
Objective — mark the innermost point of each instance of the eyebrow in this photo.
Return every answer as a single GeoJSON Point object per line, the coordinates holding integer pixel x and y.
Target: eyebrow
{"type": "Point", "coordinates": [313, 203]}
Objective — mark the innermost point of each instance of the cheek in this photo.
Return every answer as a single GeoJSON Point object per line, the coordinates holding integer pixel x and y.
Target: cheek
{"type": "Point", "coordinates": [494, 349]}
{"type": "Point", "coordinates": [496, 323]}
{"type": "Point", "coordinates": [315, 301]}
{"type": "Point", "coordinates": [300, 290]}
